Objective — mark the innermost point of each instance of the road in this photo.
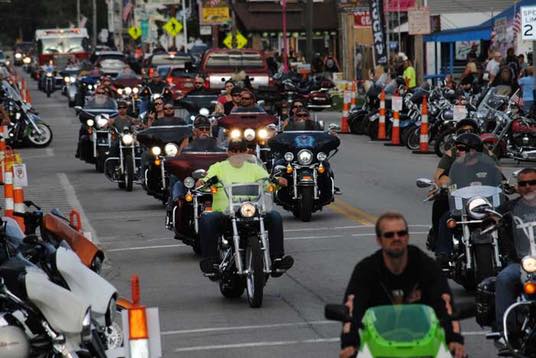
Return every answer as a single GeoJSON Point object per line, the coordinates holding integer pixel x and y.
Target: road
{"type": "Point", "coordinates": [196, 321]}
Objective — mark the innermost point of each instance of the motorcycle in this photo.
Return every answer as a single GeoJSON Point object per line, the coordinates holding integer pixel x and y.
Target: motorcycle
{"type": "Point", "coordinates": [243, 249]}
{"type": "Point", "coordinates": [26, 127]}
{"type": "Point", "coordinates": [189, 167]}
{"type": "Point", "coordinates": [94, 137]}
{"type": "Point", "coordinates": [475, 253]}
{"type": "Point", "coordinates": [408, 330]}
{"type": "Point", "coordinates": [160, 142]}
{"type": "Point", "coordinates": [305, 154]}
{"type": "Point", "coordinates": [124, 169]}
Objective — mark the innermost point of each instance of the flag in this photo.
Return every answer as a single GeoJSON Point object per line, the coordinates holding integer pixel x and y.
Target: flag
{"type": "Point", "coordinates": [516, 99]}
{"type": "Point", "coordinates": [127, 8]}
{"type": "Point", "coordinates": [517, 23]}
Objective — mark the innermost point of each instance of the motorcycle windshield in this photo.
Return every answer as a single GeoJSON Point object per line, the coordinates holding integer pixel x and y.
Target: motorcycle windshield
{"type": "Point", "coordinates": [395, 324]}
{"type": "Point", "coordinates": [161, 135]}
{"type": "Point", "coordinates": [472, 175]}
{"type": "Point", "coordinates": [524, 225]}
{"type": "Point", "coordinates": [183, 165]}
{"type": "Point", "coordinates": [102, 104]}
{"type": "Point", "coordinates": [246, 120]}
{"type": "Point", "coordinates": [294, 141]}
{"type": "Point", "coordinates": [253, 193]}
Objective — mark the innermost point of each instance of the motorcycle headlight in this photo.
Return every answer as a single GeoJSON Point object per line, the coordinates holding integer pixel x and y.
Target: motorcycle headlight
{"type": "Point", "coordinates": [247, 210]}
{"type": "Point", "coordinates": [72, 79]}
{"type": "Point", "coordinates": [66, 79]}
{"type": "Point", "coordinates": [128, 139]}
{"type": "Point", "coordinates": [120, 91]}
{"type": "Point", "coordinates": [171, 149]}
{"type": "Point", "coordinates": [289, 156]}
{"type": "Point", "coordinates": [156, 151]}
{"type": "Point", "coordinates": [305, 157]}
{"type": "Point", "coordinates": [262, 133]}
{"type": "Point", "coordinates": [321, 156]}
{"type": "Point", "coordinates": [90, 122]}
{"type": "Point", "coordinates": [49, 74]}
{"type": "Point", "coordinates": [27, 60]}
{"type": "Point", "coordinates": [235, 134]}
{"type": "Point", "coordinates": [89, 87]}
{"type": "Point", "coordinates": [128, 90]}
{"type": "Point", "coordinates": [473, 204]}
{"type": "Point", "coordinates": [189, 182]}
{"type": "Point", "coordinates": [85, 335]}
{"type": "Point", "coordinates": [249, 134]}
{"type": "Point", "coordinates": [18, 56]}
{"type": "Point", "coordinates": [529, 264]}
{"type": "Point", "coordinates": [101, 121]}
{"type": "Point", "coordinates": [135, 90]}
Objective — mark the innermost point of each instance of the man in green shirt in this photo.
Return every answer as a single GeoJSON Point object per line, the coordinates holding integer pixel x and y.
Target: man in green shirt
{"type": "Point", "coordinates": [409, 74]}
{"type": "Point", "coordinates": [237, 170]}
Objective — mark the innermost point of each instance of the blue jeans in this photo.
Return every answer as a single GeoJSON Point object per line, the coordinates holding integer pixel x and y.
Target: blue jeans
{"type": "Point", "coordinates": [527, 105]}
{"type": "Point", "coordinates": [212, 225]}
{"type": "Point", "coordinates": [144, 105]}
{"type": "Point", "coordinates": [177, 188]}
{"type": "Point", "coordinates": [507, 288]}
{"type": "Point", "coordinates": [443, 244]}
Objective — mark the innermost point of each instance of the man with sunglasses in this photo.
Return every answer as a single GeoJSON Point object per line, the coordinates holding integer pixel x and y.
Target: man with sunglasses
{"type": "Point", "coordinates": [398, 273]}
{"type": "Point", "coordinates": [234, 102]}
{"type": "Point", "coordinates": [155, 86]}
{"type": "Point", "coordinates": [157, 112]}
{"type": "Point", "coordinates": [514, 242]}
{"type": "Point", "coordinates": [248, 103]}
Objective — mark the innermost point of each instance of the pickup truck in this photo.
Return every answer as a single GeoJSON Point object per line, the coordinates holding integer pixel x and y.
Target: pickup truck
{"type": "Point", "coordinates": [221, 65]}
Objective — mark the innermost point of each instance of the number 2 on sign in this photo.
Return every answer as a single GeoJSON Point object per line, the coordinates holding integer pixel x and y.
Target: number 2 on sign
{"type": "Point", "coordinates": [528, 30]}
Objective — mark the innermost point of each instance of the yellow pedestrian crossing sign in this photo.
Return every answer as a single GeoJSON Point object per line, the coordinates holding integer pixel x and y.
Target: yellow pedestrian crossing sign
{"type": "Point", "coordinates": [173, 27]}
{"type": "Point", "coordinates": [240, 40]}
{"type": "Point", "coordinates": [135, 32]}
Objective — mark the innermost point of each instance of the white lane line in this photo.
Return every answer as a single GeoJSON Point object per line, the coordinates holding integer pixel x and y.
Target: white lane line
{"type": "Point", "coordinates": [137, 248]}
{"type": "Point", "coordinates": [475, 333]}
{"type": "Point", "coordinates": [255, 344]}
{"type": "Point", "coordinates": [374, 234]}
{"type": "Point", "coordinates": [242, 328]}
{"type": "Point", "coordinates": [73, 201]}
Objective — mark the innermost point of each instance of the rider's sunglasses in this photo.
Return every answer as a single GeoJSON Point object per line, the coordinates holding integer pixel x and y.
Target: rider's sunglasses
{"type": "Point", "coordinates": [236, 95]}
{"type": "Point", "coordinates": [159, 104]}
{"type": "Point", "coordinates": [391, 234]}
{"type": "Point", "coordinates": [246, 97]}
{"type": "Point", "coordinates": [168, 108]}
{"type": "Point", "coordinates": [122, 107]}
{"type": "Point", "coordinates": [199, 83]}
{"type": "Point", "coordinates": [302, 115]}
{"type": "Point", "coordinates": [462, 148]}
{"type": "Point", "coordinates": [297, 106]}
{"type": "Point", "coordinates": [204, 129]}
{"type": "Point", "coordinates": [527, 182]}
{"type": "Point", "coordinates": [467, 130]}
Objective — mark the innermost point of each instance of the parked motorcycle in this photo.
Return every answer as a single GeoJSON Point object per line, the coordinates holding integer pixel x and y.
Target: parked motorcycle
{"type": "Point", "coordinates": [303, 161]}
{"type": "Point", "coordinates": [189, 167]}
{"type": "Point", "coordinates": [475, 183]}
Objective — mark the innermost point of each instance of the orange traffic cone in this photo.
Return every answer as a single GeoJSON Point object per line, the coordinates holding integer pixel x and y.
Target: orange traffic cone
{"type": "Point", "coordinates": [345, 112]}
{"type": "Point", "coordinates": [424, 138]}
{"type": "Point", "coordinates": [382, 135]}
{"type": "Point", "coordinates": [8, 184]}
{"type": "Point", "coordinates": [28, 96]}
{"type": "Point", "coordinates": [353, 103]}
{"type": "Point", "coordinates": [18, 207]}
{"type": "Point", "coordinates": [138, 330]}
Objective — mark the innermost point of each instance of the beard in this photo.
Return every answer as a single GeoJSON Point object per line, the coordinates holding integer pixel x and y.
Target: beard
{"type": "Point", "coordinates": [530, 197]}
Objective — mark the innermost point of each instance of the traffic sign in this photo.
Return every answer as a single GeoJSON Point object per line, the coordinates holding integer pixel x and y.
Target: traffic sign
{"type": "Point", "coordinates": [240, 40]}
{"type": "Point", "coordinates": [528, 23]}
{"type": "Point", "coordinates": [173, 26]}
{"type": "Point", "coordinates": [135, 32]}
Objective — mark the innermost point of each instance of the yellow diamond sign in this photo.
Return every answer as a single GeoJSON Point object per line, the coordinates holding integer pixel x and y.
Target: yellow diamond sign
{"type": "Point", "coordinates": [173, 27]}
{"type": "Point", "coordinates": [135, 32]}
{"type": "Point", "coordinates": [240, 40]}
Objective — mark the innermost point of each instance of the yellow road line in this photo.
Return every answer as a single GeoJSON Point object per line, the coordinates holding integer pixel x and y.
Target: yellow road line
{"type": "Point", "coordinates": [358, 215]}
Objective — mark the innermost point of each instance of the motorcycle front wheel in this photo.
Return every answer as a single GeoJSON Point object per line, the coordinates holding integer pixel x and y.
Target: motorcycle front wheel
{"type": "Point", "coordinates": [40, 140]}
{"type": "Point", "coordinates": [232, 287]}
{"type": "Point", "coordinates": [129, 173]}
{"type": "Point", "coordinates": [305, 206]}
{"type": "Point", "coordinates": [413, 140]}
{"type": "Point", "coordinates": [483, 259]}
{"type": "Point", "coordinates": [255, 277]}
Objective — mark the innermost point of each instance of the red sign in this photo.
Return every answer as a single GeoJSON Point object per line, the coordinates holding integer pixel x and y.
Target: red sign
{"type": "Point", "coordinates": [362, 19]}
{"type": "Point", "coordinates": [399, 5]}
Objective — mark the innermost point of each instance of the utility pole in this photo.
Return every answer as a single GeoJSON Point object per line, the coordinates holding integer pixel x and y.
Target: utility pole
{"type": "Point", "coordinates": [94, 37]}
{"type": "Point", "coordinates": [185, 28]}
{"type": "Point", "coordinates": [419, 53]}
{"type": "Point", "coordinates": [309, 31]}
{"type": "Point", "coordinates": [285, 44]}
{"type": "Point", "coordinates": [78, 12]}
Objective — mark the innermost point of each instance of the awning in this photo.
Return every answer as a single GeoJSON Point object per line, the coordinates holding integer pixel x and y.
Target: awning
{"type": "Point", "coordinates": [260, 17]}
{"type": "Point", "coordinates": [471, 33]}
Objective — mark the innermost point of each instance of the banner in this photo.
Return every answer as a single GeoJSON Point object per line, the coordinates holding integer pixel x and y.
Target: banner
{"type": "Point", "coordinates": [378, 31]}
{"type": "Point", "coordinates": [362, 19]}
{"type": "Point", "coordinates": [399, 5]}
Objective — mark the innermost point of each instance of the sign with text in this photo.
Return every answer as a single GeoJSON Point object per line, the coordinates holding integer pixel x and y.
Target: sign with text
{"type": "Point", "coordinates": [528, 23]}
{"type": "Point", "coordinates": [214, 12]}
{"type": "Point", "coordinates": [378, 32]}
{"type": "Point", "coordinates": [20, 176]}
{"type": "Point", "coordinates": [362, 19]}
{"type": "Point", "coordinates": [419, 21]}
{"type": "Point", "coordinates": [396, 103]}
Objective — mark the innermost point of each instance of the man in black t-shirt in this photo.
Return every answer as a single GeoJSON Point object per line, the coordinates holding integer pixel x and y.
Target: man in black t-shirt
{"type": "Point", "coordinates": [397, 274]}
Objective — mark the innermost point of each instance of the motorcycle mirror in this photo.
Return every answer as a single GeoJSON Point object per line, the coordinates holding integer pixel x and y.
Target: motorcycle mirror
{"type": "Point", "coordinates": [321, 123]}
{"type": "Point", "coordinates": [337, 312]}
{"type": "Point", "coordinates": [516, 173]}
{"type": "Point", "coordinates": [204, 111]}
{"type": "Point", "coordinates": [424, 183]}
{"type": "Point", "coordinates": [78, 109]}
{"type": "Point", "coordinates": [260, 102]}
{"type": "Point", "coordinates": [334, 127]}
{"type": "Point", "coordinates": [199, 173]}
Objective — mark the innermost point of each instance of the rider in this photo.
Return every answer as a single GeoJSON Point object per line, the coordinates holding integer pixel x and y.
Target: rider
{"type": "Point", "coordinates": [119, 122]}
{"type": "Point", "coordinates": [247, 103]}
{"type": "Point", "coordinates": [395, 275]}
{"type": "Point", "coordinates": [237, 170]}
{"type": "Point", "coordinates": [516, 243]}
{"type": "Point", "coordinates": [302, 121]}
{"type": "Point", "coordinates": [157, 112]}
{"type": "Point", "coordinates": [234, 102]}
{"type": "Point", "coordinates": [468, 148]}
{"type": "Point", "coordinates": [168, 118]}
{"type": "Point", "coordinates": [201, 141]}
{"type": "Point", "coordinates": [156, 86]}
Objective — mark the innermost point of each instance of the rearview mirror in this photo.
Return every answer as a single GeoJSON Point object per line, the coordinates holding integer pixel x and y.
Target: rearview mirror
{"type": "Point", "coordinates": [78, 109]}
{"type": "Point", "coordinates": [337, 312]}
{"type": "Point", "coordinates": [204, 112]}
{"type": "Point", "coordinates": [199, 173]}
{"type": "Point", "coordinates": [334, 127]}
{"type": "Point", "coordinates": [424, 183]}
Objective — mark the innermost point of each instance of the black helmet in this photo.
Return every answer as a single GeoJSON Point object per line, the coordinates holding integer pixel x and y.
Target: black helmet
{"type": "Point", "coordinates": [469, 140]}
{"type": "Point", "coordinates": [201, 121]}
{"type": "Point", "coordinates": [468, 122]}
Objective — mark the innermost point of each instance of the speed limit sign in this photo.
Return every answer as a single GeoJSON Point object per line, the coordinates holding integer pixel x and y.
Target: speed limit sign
{"type": "Point", "coordinates": [528, 23]}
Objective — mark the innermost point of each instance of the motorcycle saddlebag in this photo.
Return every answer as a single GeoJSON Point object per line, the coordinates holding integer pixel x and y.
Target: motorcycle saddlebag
{"type": "Point", "coordinates": [485, 302]}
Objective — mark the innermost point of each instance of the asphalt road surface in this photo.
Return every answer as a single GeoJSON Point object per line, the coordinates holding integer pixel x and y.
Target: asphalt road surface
{"type": "Point", "coordinates": [196, 321]}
